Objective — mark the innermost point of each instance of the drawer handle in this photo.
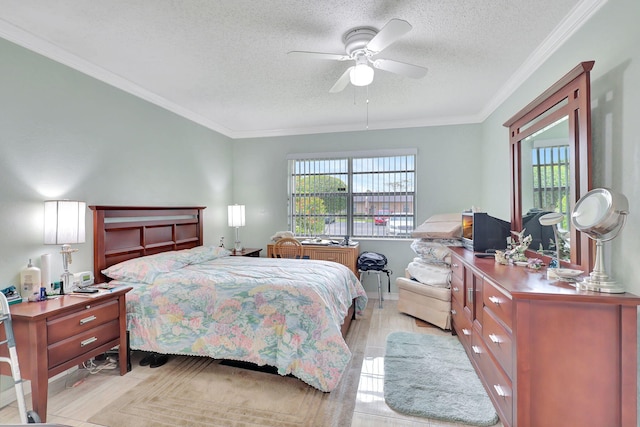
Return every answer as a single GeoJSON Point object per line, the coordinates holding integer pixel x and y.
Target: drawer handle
{"type": "Point", "coordinates": [466, 331]}
{"type": "Point", "coordinates": [500, 391]}
{"type": "Point", "coordinates": [470, 295]}
{"type": "Point", "coordinates": [495, 339]}
{"type": "Point", "coordinates": [476, 349]}
{"type": "Point", "coordinates": [88, 341]}
{"type": "Point", "coordinates": [454, 265]}
{"type": "Point", "coordinates": [495, 300]}
{"type": "Point", "coordinates": [456, 289]}
{"type": "Point", "coordinates": [454, 312]}
{"type": "Point", "coordinates": [87, 319]}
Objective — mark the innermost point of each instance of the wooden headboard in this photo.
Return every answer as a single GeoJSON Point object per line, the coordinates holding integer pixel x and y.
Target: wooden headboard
{"type": "Point", "coordinates": [125, 232]}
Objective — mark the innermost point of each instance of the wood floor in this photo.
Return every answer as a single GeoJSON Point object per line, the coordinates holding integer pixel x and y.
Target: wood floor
{"type": "Point", "coordinates": [76, 397]}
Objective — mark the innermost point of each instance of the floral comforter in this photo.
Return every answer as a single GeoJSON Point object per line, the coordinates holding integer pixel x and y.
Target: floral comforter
{"type": "Point", "coordinates": [277, 312]}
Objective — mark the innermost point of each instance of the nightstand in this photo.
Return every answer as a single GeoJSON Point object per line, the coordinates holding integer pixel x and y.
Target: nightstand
{"type": "Point", "coordinates": [60, 333]}
{"type": "Point", "coordinates": [252, 252]}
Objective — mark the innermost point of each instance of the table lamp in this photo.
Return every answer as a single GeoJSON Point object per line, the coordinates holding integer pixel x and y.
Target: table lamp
{"type": "Point", "coordinates": [552, 219]}
{"type": "Point", "coordinates": [236, 219]}
{"type": "Point", "coordinates": [600, 214]}
{"type": "Point", "coordinates": [64, 224]}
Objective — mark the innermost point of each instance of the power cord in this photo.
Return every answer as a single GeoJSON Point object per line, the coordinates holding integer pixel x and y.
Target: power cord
{"type": "Point", "coordinates": [93, 368]}
{"type": "Point", "coordinates": [77, 377]}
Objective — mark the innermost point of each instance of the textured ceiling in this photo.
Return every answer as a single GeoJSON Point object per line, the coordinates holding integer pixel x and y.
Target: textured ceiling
{"type": "Point", "coordinates": [224, 64]}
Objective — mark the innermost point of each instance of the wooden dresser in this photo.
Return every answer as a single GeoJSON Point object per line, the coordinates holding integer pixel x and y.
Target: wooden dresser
{"type": "Point", "coordinates": [58, 334]}
{"type": "Point", "coordinates": [345, 255]}
{"type": "Point", "coordinates": [546, 353]}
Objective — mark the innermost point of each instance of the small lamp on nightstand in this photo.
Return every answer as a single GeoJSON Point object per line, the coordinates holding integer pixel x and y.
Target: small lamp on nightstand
{"type": "Point", "coordinates": [64, 224]}
{"type": "Point", "coordinates": [236, 219]}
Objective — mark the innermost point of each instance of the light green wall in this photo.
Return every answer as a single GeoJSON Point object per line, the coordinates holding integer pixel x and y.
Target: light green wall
{"type": "Point", "coordinates": [66, 135]}
{"type": "Point", "coordinates": [449, 178]}
{"type": "Point", "coordinates": [611, 38]}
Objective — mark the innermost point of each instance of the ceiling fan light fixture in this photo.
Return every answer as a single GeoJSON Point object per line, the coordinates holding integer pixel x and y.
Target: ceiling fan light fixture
{"type": "Point", "coordinates": [361, 75]}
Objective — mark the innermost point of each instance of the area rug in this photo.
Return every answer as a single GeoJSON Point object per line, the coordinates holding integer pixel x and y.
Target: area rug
{"type": "Point", "coordinates": [199, 391]}
{"type": "Point", "coordinates": [431, 376]}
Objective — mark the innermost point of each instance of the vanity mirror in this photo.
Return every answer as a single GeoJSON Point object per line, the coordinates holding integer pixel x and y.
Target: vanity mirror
{"type": "Point", "coordinates": [550, 151]}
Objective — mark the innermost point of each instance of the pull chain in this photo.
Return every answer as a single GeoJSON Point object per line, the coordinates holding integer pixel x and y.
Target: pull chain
{"type": "Point", "coordinates": [367, 126]}
{"type": "Point", "coordinates": [367, 105]}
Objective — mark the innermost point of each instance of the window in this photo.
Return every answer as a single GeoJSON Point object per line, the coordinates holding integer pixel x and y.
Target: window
{"type": "Point", "coordinates": [358, 194]}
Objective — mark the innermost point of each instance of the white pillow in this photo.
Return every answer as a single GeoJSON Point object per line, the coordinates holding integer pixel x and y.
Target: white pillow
{"type": "Point", "coordinates": [430, 274]}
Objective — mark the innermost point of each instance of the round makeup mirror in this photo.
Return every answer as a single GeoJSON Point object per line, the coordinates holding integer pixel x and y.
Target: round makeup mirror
{"type": "Point", "coordinates": [600, 214]}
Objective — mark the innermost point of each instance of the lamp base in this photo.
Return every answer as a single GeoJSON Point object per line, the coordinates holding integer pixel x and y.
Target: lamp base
{"type": "Point", "coordinates": [238, 246]}
{"type": "Point", "coordinates": [605, 286]}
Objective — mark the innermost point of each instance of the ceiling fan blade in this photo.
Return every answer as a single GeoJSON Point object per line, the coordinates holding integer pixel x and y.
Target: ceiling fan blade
{"type": "Point", "coordinates": [407, 70]}
{"type": "Point", "coordinates": [319, 55]}
{"type": "Point", "coordinates": [342, 82]}
{"type": "Point", "coordinates": [391, 32]}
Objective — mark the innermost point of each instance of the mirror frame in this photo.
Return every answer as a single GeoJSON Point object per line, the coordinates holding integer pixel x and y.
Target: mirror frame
{"type": "Point", "coordinates": [575, 88]}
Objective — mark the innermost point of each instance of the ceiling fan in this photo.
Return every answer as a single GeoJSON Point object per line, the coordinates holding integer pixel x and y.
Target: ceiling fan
{"type": "Point", "coordinates": [361, 45]}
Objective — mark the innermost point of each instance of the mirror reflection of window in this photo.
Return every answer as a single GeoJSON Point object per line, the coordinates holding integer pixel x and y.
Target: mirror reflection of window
{"type": "Point", "coordinates": [546, 178]}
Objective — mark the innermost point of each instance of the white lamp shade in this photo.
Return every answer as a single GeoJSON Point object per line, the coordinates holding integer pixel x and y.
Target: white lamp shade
{"type": "Point", "coordinates": [361, 75]}
{"type": "Point", "coordinates": [236, 215]}
{"type": "Point", "coordinates": [552, 218]}
{"type": "Point", "coordinates": [64, 222]}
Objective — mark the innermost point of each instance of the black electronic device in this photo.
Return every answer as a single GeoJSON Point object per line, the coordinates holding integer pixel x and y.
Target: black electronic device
{"type": "Point", "coordinates": [485, 255]}
{"type": "Point", "coordinates": [85, 291]}
{"type": "Point", "coordinates": [541, 235]}
{"type": "Point", "coordinates": [482, 232]}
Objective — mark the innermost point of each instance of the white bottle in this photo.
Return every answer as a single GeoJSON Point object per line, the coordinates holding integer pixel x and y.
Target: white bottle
{"type": "Point", "coordinates": [29, 281]}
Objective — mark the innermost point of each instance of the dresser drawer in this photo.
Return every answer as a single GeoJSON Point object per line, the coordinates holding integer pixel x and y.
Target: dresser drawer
{"type": "Point", "coordinates": [64, 350]}
{"type": "Point", "coordinates": [457, 289]}
{"type": "Point", "coordinates": [340, 258]}
{"type": "Point", "coordinates": [461, 324]}
{"type": "Point", "coordinates": [457, 269]}
{"type": "Point", "coordinates": [499, 303]}
{"type": "Point", "coordinates": [498, 385]}
{"type": "Point", "coordinates": [345, 255]}
{"type": "Point", "coordinates": [499, 341]}
{"type": "Point", "coordinates": [70, 324]}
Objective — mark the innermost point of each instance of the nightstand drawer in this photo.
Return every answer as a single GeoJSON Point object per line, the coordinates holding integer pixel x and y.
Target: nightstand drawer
{"type": "Point", "coordinates": [64, 350]}
{"type": "Point", "coordinates": [68, 325]}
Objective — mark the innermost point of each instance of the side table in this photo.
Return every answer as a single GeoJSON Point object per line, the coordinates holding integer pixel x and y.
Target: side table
{"type": "Point", "coordinates": [60, 333]}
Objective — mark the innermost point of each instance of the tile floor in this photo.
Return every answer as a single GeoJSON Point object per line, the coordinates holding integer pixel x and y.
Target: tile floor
{"type": "Point", "coordinates": [70, 404]}
{"type": "Point", "coordinates": [371, 409]}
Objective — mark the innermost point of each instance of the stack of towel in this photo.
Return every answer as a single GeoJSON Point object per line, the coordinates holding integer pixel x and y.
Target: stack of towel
{"type": "Point", "coordinates": [431, 266]}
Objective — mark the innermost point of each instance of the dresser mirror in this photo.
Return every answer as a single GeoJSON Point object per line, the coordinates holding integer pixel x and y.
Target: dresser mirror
{"type": "Point", "coordinates": [550, 152]}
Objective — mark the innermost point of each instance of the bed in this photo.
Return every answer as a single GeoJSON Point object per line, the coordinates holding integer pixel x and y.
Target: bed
{"type": "Point", "coordinates": [192, 299]}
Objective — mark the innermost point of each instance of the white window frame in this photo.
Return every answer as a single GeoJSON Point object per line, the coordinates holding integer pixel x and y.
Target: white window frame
{"type": "Point", "coordinates": [378, 200]}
